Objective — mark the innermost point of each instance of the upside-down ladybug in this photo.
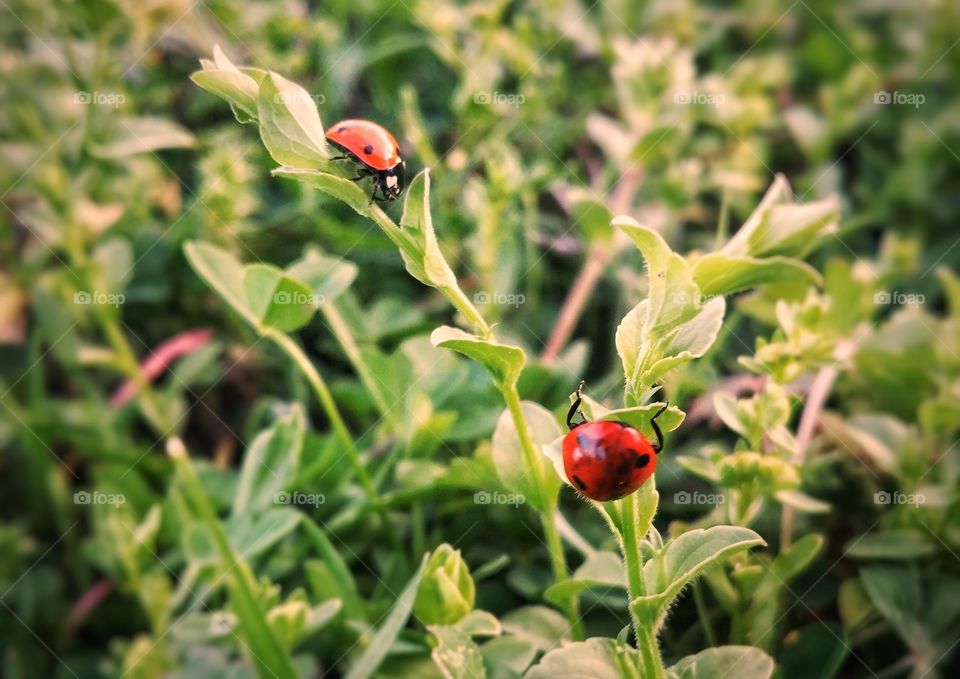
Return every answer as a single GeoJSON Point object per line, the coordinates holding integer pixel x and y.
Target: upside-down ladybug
{"type": "Point", "coordinates": [608, 460]}
{"type": "Point", "coordinates": [375, 150]}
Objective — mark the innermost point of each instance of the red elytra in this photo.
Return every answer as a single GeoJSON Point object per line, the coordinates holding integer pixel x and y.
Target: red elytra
{"type": "Point", "coordinates": [608, 460]}
{"type": "Point", "coordinates": [371, 143]}
{"type": "Point", "coordinates": [377, 152]}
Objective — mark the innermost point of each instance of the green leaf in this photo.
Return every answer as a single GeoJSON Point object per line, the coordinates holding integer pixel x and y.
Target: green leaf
{"type": "Point", "coordinates": [224, 273]}
{"type": "Point", "coordinates": [720, 274]}
{"type": "Point", "coordinates": [381, 642]}
{"type": "Point", "coordinates": [780, 226]}
{"type": "Point", "coordinates": [541, 626]}
{"type": "Point", "coordinates": [636, 416]}
{"type": "Point", "coordinates": [424, 260]}
{"type": "Point", "coordinates": [252, 536]}
{"type": "Point", "coordinates": [270, 464]}
{"type": "Point", "coordinates": [276, 299]}
{"type": "Point", "coordinates": [597, 658]}
{"type": "Point", "coordinates": [904, 544]}
{"type": "Point", "coordinates": [601, 570]}
{"type": "Point", "coordinates": [592, 216]}
{"type": "Point", "coordinates": [289, 124]}
{"type": "Point", "coordinates": [724, 661]}
{"type": "Point", "coordinates": [510, 462]}
{"type": "Point", "coordinates": [479, 623]}
{"type": "Point", "coordinates": [328, 277]}
{"type": "Point", "coordinates": [674, 296]}
{"type": "Point", "coordinates": [507, 656]}
{"type": "Point", "coordinates": [228, 82]}
{"type": "Point", "coordinates": [819, 650]}
{"type": "Point", "coordinates": [503, 361]}
{"type": "Point", "coordinates": [455, 654]}
{"type": "Point", "coordinates": [685, 557]}
{"type": "Point", "coordinates": [340, 188]}
{"type": "Point", "coordinates": [143, 135]}
{"type": "Point", "coordinates": [800, 501]}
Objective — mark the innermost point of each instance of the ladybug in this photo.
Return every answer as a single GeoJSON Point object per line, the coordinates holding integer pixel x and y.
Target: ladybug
{"type": "Point", "coordinates": [608, 460]}
{"type": "Point", "coordinates": [375, 150]}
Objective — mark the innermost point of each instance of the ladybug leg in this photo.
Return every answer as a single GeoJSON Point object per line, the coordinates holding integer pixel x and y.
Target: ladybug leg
{"type": "Point", "coordinates": [575, 407]}
{"type": "Point", "coordinates": [656, 429]}
{"type": "Point", "coordinates": [340, 158]}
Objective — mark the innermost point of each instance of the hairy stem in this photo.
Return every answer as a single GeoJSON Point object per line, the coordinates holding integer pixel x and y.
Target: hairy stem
{"type": "Point", "coordinates": [348, 343]}
{"type": "Point", "coordinates": [558, 560]}
{"type": "Point", "coordinates": [293, 350]}
{"type": "Point", "coordinates": [630, 544]}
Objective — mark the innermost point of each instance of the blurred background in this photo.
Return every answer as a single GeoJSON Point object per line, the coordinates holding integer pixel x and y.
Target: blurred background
{"type": "Point", "coordinates": [533, 116]}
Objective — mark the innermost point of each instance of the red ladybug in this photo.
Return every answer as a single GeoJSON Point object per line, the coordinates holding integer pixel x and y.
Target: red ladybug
{"type": "Point", "coordinates": [375, 150]}
{"type": "Point", "coordinates": [608, 460]}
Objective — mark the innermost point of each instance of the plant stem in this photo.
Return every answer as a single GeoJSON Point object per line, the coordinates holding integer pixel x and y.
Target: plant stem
{"type": "Point", "coordinates": [293, 350]}
{"type": "Point", "coordinates": [559, 564]}
{"type": "Point", "coordinates": [265, 650]}
{"type": "Point", "coordinates": [453, 293]}
{"type": "Point", "coordinates": [338, 325]}
{"type": "Point", "coordinates": [466, 308]}
{"type": "Point", "coordinates": [703, 614]}
{"type": "Point", "coordinates": [558, 560]}
{"type": "Point", "coordinates": [630, 543]}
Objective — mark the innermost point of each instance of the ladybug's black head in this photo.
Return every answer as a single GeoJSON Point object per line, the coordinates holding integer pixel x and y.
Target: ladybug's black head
{"type": "Point", "coordinates": [391, 181]}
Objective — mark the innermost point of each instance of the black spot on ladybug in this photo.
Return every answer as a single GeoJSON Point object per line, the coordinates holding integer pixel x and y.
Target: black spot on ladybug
{"type": "Point", "coordinates": [643, 461]}
{"type": "Point", "coordinates": [580, 484]}
{"type": "Point", "coordinates": [341, 128]}
{"type": "Point", "coordinates": [368, 149]}
{"type": "Point", "coordinates": [622, 470]}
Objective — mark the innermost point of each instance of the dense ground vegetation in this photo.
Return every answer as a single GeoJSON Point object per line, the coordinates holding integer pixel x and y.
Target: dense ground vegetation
{"type": "Point", "coordinates": [255, 425]}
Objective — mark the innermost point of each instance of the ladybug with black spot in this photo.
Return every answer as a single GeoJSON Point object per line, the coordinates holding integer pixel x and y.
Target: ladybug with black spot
{"type": "Point", "coordinates": [375, 151]}
{"type": "Point", "coordinates": [608, 460]}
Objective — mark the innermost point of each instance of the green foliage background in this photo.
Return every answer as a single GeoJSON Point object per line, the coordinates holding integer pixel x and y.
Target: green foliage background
{"type": "Point", "coordinates": [318, 487]}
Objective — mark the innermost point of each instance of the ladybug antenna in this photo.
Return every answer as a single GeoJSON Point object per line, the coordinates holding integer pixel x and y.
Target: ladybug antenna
{"type": "Point", "coordinates": [656, 428]}
{"type": "Point", "coordinates": [576, 407]}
